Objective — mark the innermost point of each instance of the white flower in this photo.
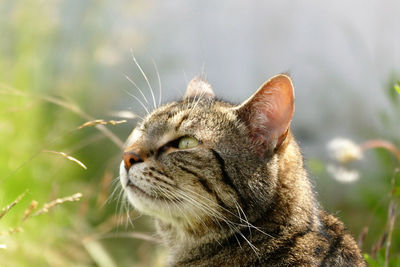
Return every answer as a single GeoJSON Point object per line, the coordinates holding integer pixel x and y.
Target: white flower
{"type": "Point", "coordinates": [342, 174]}
{"type": "Point", "coordinates": [344, 150]}
{"type": "Point", "coordinates": [3, 246]}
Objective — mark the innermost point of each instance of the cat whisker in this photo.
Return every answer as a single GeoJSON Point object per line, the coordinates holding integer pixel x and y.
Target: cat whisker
{"type": "Point", "coordinates": [254, 248]}
{"type": "Point", "coordinates": [126, 207]}
{"type": "Point", "coordinates": [145, 77]}
{"type": "Point", "coordinates": [170, 195]}
{"type": "Point", "coordinates": [116, 188]}
{"type": "Point", "coordinates": [213, 214]}
{"type": "Point", "coordinates": [119, 206]}
{"type": "Point", "coordinates": [138, 88]}
{"type": "Point", "coordinates": [115, 180]}
{"type": "Point", "coordinates": [234, 227]}
{"type": "Point", "coordinates": [240, 217]}
{"type": "Point", "coordinates": [233, 214]}
{"type": "Point", "coordinates": [140, 102]}
{"type": "Point", "coordinates": [240, 210]}
{"type": "Point", "coordinates": [173, 196]}
{"type": "Point", "coordinates": [159, 83]}
{"type": "Point", "coordinates": [198, 205]}
{"type": "Point", "coordinates": [190, 225]}
{"type": "Point", "coordinates": [117, 198]}
{"type": "Point", "coordinates": [127, 210]}
{"type": "Point", "coordinates": [167, 205]}
{"type": "Point", "coordinates": [231, 225]}
{"type": "Point", "coordinates": [217, 217]}
{"type": "Point", "coordinates": [201, 205]}
{"type": "Point", "coordinates": [235, 230]}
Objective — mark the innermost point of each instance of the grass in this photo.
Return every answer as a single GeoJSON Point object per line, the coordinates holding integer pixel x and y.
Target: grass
{"type": "Point", "coordinates": [90, 230]}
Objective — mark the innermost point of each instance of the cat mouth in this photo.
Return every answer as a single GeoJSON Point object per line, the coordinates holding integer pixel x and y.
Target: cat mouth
{"type": "Point", "coordinates": [136, 189]}
{"type": "Point", "coordinates": [129, 183]}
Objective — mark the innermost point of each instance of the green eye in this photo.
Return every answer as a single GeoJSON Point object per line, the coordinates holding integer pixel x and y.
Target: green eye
{"type": "Point", "coordinates": [188, 142]}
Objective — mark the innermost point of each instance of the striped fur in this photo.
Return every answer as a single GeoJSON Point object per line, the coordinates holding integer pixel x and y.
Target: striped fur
{"type": "Point", "coordinates": [221, 203]}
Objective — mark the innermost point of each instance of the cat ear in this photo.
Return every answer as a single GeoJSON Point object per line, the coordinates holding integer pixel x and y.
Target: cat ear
{"type": "Point", "coordinates": [268, 113]}
{"type": "Point", "coordinates": [199, 88]}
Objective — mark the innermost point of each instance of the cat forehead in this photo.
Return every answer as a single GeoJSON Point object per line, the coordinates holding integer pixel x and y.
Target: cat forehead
{"type": "Point", "coordinates": [177, 112]}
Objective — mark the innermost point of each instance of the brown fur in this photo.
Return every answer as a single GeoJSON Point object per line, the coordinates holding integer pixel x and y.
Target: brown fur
{"type": "Point", "coordinates": [239, 198]}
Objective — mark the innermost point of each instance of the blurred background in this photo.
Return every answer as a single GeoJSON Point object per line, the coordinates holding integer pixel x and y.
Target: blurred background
{"type": "Point", "coordinates": [66, 62]}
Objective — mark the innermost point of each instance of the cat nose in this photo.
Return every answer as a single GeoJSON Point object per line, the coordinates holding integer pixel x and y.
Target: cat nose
{"type": "Point", "coordinates": [132, 156]}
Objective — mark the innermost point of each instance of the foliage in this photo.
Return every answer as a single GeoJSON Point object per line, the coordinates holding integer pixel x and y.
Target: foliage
{"type": "Point", "coordinates": [49, 83]}
{"type": "Point", "coordinates": [397, 87]}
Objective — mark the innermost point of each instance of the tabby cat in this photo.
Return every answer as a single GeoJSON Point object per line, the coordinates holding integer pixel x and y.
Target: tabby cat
{"type": "Point", "coordinates": [226, 183]}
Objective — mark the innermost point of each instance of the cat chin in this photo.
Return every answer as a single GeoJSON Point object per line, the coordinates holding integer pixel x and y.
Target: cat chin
{"type": "Point", "coordinates": [151, 207]}
{"type": "Point", "coordinates": [142, 201]}
{"type": "Point", "coordinates": [137, 197]}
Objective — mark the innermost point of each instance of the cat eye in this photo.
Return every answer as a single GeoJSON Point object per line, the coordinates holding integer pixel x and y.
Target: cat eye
{"type": "Point", "coordinates": [184, 142]}
{"type": "Point", "coordinates": [188, 142]}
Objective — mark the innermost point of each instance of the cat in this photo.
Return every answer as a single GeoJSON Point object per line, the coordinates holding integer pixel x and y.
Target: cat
{"type": "Point", "coordinates": [226, 183]}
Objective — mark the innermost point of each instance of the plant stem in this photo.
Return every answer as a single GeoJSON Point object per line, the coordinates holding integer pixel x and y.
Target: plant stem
{"type": "Point", "coordinates": [377, 143]}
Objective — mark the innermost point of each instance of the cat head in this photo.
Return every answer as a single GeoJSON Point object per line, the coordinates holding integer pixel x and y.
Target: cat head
{"type": "Point", "coordinates": [197, 163]}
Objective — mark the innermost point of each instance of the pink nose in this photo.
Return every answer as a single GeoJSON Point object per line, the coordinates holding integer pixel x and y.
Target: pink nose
{"type": "Point", "coordinates": [132, 156]}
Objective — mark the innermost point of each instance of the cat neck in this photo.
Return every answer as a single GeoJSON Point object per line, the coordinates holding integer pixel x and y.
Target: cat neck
{"type": "Point", "coordinates": [294, 203]}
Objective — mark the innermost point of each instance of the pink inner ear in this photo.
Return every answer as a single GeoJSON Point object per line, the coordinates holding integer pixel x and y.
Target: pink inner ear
{"type": "Point", "coordinates": [269, 111]}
